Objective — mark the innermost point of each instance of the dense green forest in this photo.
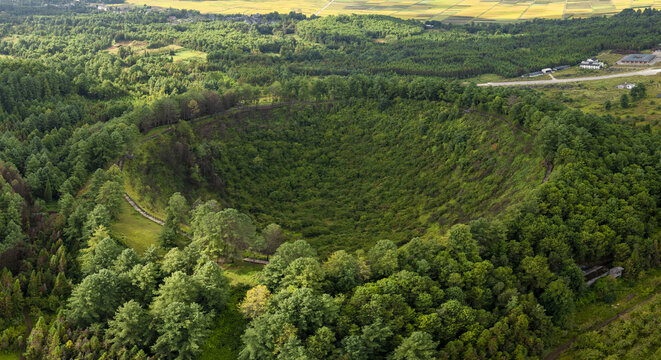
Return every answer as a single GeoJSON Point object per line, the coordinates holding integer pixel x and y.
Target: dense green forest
{"type": "Point", "coordinates": [312, 168]}
{"type": "Point", "coordinates": [407, 215]}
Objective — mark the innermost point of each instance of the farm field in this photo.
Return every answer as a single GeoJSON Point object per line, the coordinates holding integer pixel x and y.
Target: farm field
{"type": "Point", "coordinates": [441, 10]}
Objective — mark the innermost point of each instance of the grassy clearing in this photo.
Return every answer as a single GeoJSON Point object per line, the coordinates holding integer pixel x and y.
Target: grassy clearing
{"type": "Point", "coordinates": [136, 231]}
{"type": "Point", "coordinates": [224, 342]}
{"type": "Point", "coordinates": [242, 273]}
{"type": "Point", "coordinates": [455, 10]}
{"type": "Point", "coordinates": [9, 356]}
{"type": "Point", "coordinates": [629, 293]}
{"type": "Point", "coordinates": [591, 96]}
{"type": "Point", "coordinates": [186, 54]}
{"type": "Point", "coordinates": [178, 53]}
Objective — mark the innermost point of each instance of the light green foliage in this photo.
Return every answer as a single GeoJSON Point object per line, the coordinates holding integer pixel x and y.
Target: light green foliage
{"type": "Point", "coordinates": [224, 233]}
{"type": "Point", "coordinates": [296, 315]}
{"type": "Point", "coordinates": [255, 302]}
{"type": "Point", "coordinates": [126, 260]}
{"type": "Point", "coordinates": [342, 272]}
{"type": "Point", "coordinates": [130, 326]}
{"type": "Point", "coordinates": [111, 196]}
{"type": "Point", "coordinates": [100, 253]}
{"type": "Point", "coordinates": [100, 216]}
{"type": "Point", "coordinates": [418, 346]}
{"type": "Point", "coordinates": [303, 272]}
{"type": "Point", "coordinates": [536, 272]}
{"type": "Point", "coordinates": [382, 258]}
{"type": "Point", "coordinates": [177, 288]}
{"type": "Point", "coordinates": [273, 238]}
{"type": "Point", "coordinates": [558, 300]}
{"type": "Point", "coordinates": [95, 298]}
{"type": "Point", "coordinates": [182, 328]}
{"type": "Point", "coordinates": [213, 286]}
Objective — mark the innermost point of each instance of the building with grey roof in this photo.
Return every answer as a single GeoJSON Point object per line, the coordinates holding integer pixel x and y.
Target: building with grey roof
{"type": "Point", "coordinates": [637, 59]}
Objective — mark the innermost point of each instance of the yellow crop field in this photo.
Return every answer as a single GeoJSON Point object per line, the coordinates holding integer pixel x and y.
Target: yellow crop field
{"type": "Point", "coordinates": [454, 10]}
{"type": "Point", "coordinates": [551, 11]}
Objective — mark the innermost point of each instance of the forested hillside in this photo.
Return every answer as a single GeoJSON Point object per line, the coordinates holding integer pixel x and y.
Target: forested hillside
{"type": "Point", "coordinates": [405, 214]}
{"type": "Point", "coordinates": [313, 168]}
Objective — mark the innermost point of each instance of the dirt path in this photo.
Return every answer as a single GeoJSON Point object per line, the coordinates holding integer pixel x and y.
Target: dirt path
{"type": "Point", "coordinates": [555, 354]}
{"type": "Point", "coordinates": [549, 168]}
{"type": "Point", "coordinates": [646, 72]}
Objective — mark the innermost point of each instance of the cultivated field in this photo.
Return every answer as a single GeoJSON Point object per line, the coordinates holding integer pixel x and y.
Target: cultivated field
{"type": "Point", "coordinates": [448, 10]}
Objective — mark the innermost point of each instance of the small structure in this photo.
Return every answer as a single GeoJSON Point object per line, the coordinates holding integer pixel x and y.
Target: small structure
{"type": "Point", "coordinates": [547, 70]}
{"type": "Point", "coordinates": [592, 64]}
{"type": "Point", "coordinates": [561, 67]}
{"type": "Point", "coordinates": [626, 85]}
{"type": "Point", "coordinates": [595, 273]}
{"type": "Point", "coordinates": [637, 59]}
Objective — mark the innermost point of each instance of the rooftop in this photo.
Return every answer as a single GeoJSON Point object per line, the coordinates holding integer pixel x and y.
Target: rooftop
{"type": "Point", "coordinates": [639, 57]}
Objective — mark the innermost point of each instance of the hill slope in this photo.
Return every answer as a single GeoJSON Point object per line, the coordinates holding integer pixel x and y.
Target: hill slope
{"type": "Point", "coordinates": [345, 175]}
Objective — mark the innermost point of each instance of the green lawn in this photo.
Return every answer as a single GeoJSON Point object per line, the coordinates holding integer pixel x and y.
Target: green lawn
{"type": "Point", "coordinates": [9, 356]}
{"type": "Point", "coordinates": [135, 230]}
{"type": "Point", "coordinates": [187, 54]}
{"type": "Point", "coordinates": [242, 273]}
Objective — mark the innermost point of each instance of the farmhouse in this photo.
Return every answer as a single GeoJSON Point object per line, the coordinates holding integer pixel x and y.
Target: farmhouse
{"type": "Point", "coordinates": [592, 64]}
{"type": "Point", "coordinates": [637, 59]}
{"type": "Point", "coordinates": [626, 85]}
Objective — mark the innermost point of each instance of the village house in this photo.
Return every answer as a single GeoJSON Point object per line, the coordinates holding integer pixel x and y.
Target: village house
{"type": "Point", "coordinates": [592, 64]}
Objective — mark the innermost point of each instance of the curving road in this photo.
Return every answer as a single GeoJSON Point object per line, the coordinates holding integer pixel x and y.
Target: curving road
{"type": "Point", "coordinates": [646, 72]}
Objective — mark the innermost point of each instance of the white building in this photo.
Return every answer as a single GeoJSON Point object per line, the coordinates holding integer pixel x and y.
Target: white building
{"type": "Point", "coordinates": [592, 64]}
{"type": "Point", "coordinates": [626, 85]}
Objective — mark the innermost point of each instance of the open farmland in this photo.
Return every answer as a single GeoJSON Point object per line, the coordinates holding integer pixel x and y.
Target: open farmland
{"type": "Point", "coordinates": [442, 10]}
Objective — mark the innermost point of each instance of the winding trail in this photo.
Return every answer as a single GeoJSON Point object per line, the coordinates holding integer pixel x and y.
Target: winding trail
{"type": "Point", "coordinates": [646, 72]}
{"type": "Point", "coordinates": [160, 222]}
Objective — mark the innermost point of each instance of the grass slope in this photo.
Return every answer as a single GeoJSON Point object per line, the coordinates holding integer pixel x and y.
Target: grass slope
{"type": "Point", "coordinates": [135, 230]}
{"type": "Point", "coordinates": [345, 176]}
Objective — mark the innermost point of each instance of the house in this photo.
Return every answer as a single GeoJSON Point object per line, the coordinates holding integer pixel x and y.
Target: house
{"type": "Point", "coordinates": [637, 59]}
{"type": "Point", "coordinates": [592, 64]}
{"type": "Point", "coordinates": [626, 85]}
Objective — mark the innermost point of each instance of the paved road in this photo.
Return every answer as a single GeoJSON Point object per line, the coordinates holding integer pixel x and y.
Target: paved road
{"type": "Point", "coordinates": [646, 72]}
{"type": "Point", "coordinates": [325, 7]}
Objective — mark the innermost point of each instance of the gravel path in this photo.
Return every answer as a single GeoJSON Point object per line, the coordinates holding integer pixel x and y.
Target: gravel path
{"type": "Point", "coordinates": [646, 72]}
